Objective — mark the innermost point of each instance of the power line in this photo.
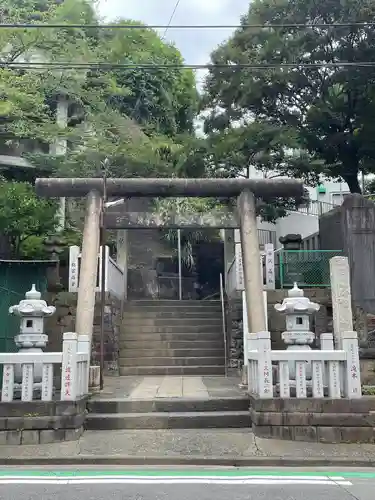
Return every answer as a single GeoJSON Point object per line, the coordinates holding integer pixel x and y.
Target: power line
{"type": "Point", "coordinates": [363, 24]}
{"type": "Point", "coordinates": [109, 66]}
{"type": "Point", "coordinates": [142, 93]}
{"type": "Point", "coordinates": [171, 18]}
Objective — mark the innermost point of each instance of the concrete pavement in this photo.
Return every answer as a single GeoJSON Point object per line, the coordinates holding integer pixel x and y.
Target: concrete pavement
{"type": "Point", "coordinates": [221, 447]}
{"type": "Point", "coordinates": [214, 447]}
{"type": "Point", "coordinates": [205, 484]}
{"type": "Point", "coordinates": [135, 388]}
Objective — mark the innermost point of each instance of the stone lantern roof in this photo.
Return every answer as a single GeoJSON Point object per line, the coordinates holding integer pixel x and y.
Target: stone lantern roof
{"type": "Point", "coordinates": [297, 303]}
{"type": "Point", "coordinates": [32, 305]}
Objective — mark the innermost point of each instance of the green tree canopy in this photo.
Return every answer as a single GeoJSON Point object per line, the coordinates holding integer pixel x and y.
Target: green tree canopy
{"type": "Point", "coordinates": [104, 120]}
{"type": "Point", "coordinates": [323, 115]}
{"type": "Point", "coordinates": [162, 100]}
{"type": "Point", "coordinates": [23, 215]}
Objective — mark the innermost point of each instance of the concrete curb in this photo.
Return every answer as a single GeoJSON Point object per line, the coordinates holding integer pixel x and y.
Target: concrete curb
{"type": "Point", "coordinates": [125, 460]}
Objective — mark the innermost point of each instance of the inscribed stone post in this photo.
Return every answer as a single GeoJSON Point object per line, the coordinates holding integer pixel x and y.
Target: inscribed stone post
{"type": "Point", "coordinates": [341, 298]}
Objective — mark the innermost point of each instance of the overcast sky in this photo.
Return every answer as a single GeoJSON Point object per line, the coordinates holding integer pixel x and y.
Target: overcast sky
{"type": "Point", "coordinates": [195, 45]}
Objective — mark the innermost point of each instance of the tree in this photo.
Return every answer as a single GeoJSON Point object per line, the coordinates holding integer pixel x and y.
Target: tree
{"type": "Point", "coordinates": [231, 153]}
{"type": "Point", "coordinates": [162, 100]}
{"type": "Point", "coordinates": [23, 215]}
{"type": "Point", "coordinates": [327, 111]}
{"type": "Point", "coordinates": [101, 122]}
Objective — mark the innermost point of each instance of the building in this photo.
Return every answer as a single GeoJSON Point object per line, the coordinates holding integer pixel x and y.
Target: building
{"type": "Point", "coordinates": [305, 220]}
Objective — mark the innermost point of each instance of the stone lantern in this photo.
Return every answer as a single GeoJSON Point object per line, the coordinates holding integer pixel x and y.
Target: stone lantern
{"type": "Point", "coordinates": [31, 311]}
{"type": "Point", "coordinates": [54, 246]}
{"type": "Point", "coordinates": [297, 310]}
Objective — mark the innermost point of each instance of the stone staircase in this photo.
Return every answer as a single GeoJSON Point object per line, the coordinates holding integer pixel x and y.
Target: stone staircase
{"type": "Point", "coordinates": [172, 338]}
{"type": "Point", "coordinates": [169, 413]}
{"type": "Point", "coordinates": [172, 352]}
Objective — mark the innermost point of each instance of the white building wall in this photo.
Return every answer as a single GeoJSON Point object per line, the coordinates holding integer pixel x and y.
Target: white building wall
{"type": "Point", "coordinates": [297, 223]}
{"type": "Point", "coordinates": [302, 223]}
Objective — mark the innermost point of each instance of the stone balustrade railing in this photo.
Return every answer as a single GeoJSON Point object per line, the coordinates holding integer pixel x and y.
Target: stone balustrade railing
{"type": "Point", "coordinates": [310, 373]}
{"type": "Point", "coordinates": [21, 372]}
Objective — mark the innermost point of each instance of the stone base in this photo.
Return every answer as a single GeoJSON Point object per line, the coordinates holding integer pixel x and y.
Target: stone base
{"type": "Point", "coordinates": [94, 379]}
{"type": "Point", "coordinates": [315, 420]}
{"type": "Point", "coordinates": [40, 422]}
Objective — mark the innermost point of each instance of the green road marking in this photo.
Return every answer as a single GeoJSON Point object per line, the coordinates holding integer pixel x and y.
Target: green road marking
{"type": "Point", "coordinates": [182, 473]}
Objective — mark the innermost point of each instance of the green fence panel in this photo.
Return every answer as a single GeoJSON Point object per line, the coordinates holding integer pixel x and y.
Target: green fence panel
{"type": "Point", "coordinates": [16, 278]}
{"type": "Point", "coordinates": [308, 268]}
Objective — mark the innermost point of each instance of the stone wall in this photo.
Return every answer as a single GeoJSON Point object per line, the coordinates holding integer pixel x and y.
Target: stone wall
{"type": "Point", "coordinates": [41, 422]}
{"type": "Point", "coordinates": [234, 325]}
{"type": "Point", "coordinates": [144, 248]}
{"type": "Point", "coordinates": [64, 321]}
{"type": "Point", "coordinates": [315, 420]}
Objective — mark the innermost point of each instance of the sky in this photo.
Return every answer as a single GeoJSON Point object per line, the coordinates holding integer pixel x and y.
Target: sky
{"type": "Point", "coordinates": [195, 45]}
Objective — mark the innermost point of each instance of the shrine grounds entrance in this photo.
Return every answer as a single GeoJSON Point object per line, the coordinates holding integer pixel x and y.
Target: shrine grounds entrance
{"type": "Point", "coordinates": [98, 190]}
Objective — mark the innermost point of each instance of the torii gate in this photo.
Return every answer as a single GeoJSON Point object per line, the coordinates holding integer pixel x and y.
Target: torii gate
{"type": "Point", "coordinates": [246, 191]}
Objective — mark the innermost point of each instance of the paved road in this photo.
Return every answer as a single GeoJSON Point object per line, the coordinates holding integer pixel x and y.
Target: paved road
{"type": "Point", "coordinates": [209, 484]}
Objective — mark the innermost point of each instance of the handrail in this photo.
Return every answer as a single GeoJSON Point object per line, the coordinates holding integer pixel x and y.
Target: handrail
{"type": "Point", "coordinates": [233, 262]}
{"type": "Point", "coordinates": [224, 325]}
{"type": "Point", "coordinates": [115, 264]}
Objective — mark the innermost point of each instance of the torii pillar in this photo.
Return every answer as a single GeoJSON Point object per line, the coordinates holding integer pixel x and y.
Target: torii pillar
{"type": "Point", "coordinates": [89, 256]}
{"type": "Point", "coordinates": [256, 316]}
{"type": "Point", "coordinates": [245, 189]}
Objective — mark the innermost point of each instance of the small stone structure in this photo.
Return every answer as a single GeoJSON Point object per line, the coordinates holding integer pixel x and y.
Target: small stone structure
{"type": "Point", "coordinates": [32, 409]}
{"type": "Point", "coordinates": [32, 339]}
{"type": "Point", "coordinates": [297, 310]}
{"type": "Point", "coordinates": [337, 412]}
{"type": "Point", "coordinates": [41, 422]}
{"type": "Point", "coordinates": [320, 321]}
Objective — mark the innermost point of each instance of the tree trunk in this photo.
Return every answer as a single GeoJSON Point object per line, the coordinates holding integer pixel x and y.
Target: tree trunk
{"type": "Point", "coordinates": [353, 182]}
{"type": "Point", "coordinates": [5, 247]}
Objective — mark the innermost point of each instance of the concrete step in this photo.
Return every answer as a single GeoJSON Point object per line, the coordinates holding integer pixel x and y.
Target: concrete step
{"type": "Point", "coordinates": [181, 328]}
{"type": "Point", "coordinates": [171, 313]}
{"type": "Point", "coordinates": [171, 322]}
{"type": "Point", "coordinates": [169, 420]}
{"type": "Point", "coordinates": [130, 352]}
{"type": "Point", "coordinates": [165, 345]}
{"type": "Point", "coordinates": [183, 304]}
{"type": "Point", "coordinates": [171, 370]}
{"type": "Point", "coordinates": [174, 405]}
{"type": "Point", "coordinates": [212, 361]}
{"type": "Point", "coordinates": [143, 336]}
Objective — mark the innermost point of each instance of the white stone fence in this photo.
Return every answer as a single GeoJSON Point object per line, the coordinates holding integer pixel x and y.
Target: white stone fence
{"type": "Point", "coordinates": [334, 373]}
{"type": "Point", "coordinates": [114, 275]}
{"type": "Point", "coordinates": [21, 371]}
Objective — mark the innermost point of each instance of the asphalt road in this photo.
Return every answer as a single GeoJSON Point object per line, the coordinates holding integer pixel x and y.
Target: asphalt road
{"type": "Point", "coordinates": [197, 484]}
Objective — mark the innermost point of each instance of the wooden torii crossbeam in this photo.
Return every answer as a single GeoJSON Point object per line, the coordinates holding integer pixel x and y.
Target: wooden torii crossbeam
{"type": "Point", "coordinates": [247, 190]}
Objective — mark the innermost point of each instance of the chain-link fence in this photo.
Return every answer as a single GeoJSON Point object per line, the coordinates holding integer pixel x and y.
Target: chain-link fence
{"type": "Point", "coordinates": [308, 268]}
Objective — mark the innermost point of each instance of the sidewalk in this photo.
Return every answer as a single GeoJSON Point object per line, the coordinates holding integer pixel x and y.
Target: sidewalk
{"type": "Point", "coordinates": [222, 447]}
